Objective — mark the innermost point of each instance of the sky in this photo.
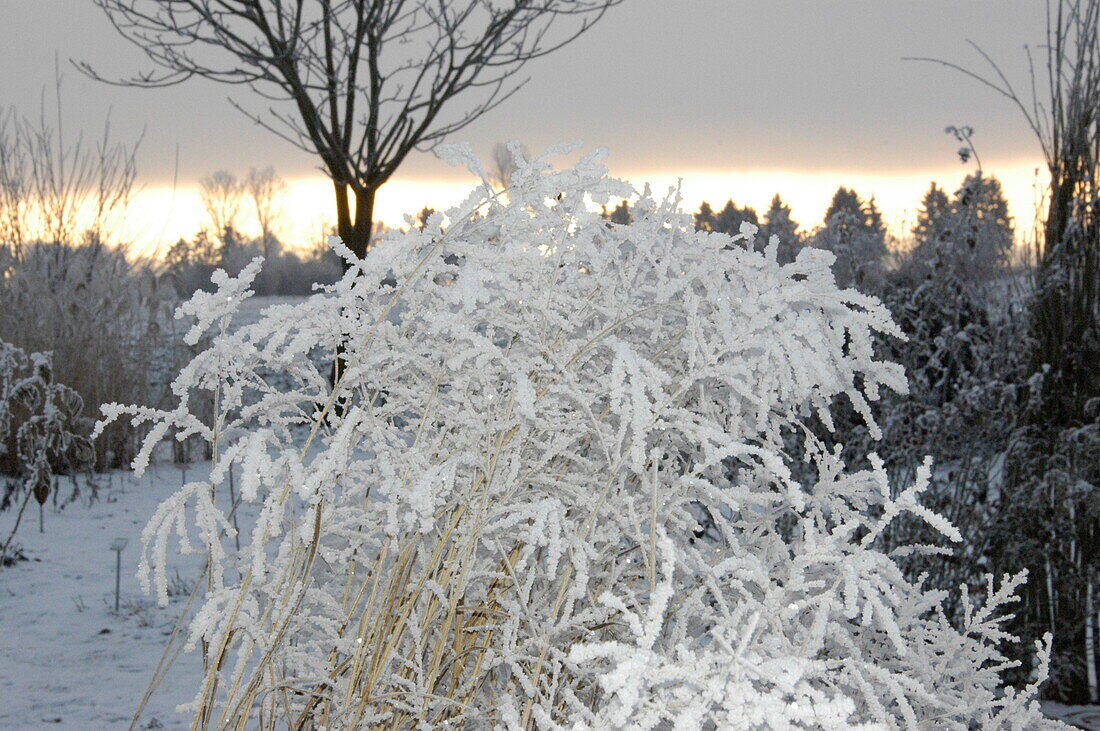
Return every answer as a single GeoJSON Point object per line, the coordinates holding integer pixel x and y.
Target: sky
{"type": "Point", "coordinates": [735, 98]}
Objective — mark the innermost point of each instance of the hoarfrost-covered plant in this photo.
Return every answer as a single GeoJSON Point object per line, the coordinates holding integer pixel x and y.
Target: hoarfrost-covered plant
{"type": "Point", "coordinates": [495, 517]}
{"type": "Point", "coordinates": [41, 431]}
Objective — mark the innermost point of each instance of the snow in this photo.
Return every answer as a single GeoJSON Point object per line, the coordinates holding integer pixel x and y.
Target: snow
{"type": "Point", "coordinates": [1087, 717]}
{"type": "Point", "coordinates": [66, 657]}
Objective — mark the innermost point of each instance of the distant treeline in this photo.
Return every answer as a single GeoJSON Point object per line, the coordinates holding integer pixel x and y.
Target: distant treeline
{"type": "Point", "coordinates": [972, 227]}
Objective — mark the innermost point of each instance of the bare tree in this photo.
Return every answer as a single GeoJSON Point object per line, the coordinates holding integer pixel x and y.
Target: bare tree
{"type": "Point", "coordinates": [359, 83]}
{"type": "Point", "coordinates": [221, 197]}
{"type": "Point", "coordinates": [13, 183]}
{"type": "Point", "coordinates": [265, 188]}
{"type": "Point", "coordinates": [54, 189]}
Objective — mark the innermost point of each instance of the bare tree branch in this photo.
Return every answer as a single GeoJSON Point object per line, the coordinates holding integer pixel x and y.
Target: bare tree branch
{"type": "Point", "coordinates": [369, 80]}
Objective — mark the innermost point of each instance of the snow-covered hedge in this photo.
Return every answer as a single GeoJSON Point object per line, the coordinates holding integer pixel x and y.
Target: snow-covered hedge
{"type": "Point", "coordinates": [496, 516]}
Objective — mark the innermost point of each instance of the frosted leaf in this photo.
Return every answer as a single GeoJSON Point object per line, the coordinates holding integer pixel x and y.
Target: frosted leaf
{"type": "Point", "coordinates": [210, 307]}
{"type": "Point", "coordinates": [525, 396]}
{"type": "Point", "coordinates": [458, 154]}
{"type": "Point", "coordinates": [747, 231]}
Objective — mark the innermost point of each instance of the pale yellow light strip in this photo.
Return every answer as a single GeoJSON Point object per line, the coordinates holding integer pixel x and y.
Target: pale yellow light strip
{"type": "Point", "coordinates": [162, 215]}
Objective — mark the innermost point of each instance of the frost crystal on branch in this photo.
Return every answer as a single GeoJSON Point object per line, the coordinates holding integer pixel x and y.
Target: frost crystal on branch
{"type": "Point", "coordinates": [549, 489]}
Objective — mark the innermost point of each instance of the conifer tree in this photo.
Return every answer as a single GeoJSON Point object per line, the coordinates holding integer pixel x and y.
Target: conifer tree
{"type": "Point", "coordinates": [704, 219]}
{"type": "Point", "coordinates": [932, 225]}
{"type": "Point", "coordinates": [620, 214]}
{"type": "Point", "coordinates": [875, 224]}
{"type": "Point", "coordinates": [848, 201]}
{"type": "Point", "coordinates": [982, 224]}
{"type": "Point", "coordinates": [856, 234]}
{"type": "Point", "coordinates": [730, 218]}
{"type": "Point", "coordinates": [422, 218]}
{"type": "Point", "coordinates": [778, 222]}
{"type": "Point", "coordinates": [972, 233]}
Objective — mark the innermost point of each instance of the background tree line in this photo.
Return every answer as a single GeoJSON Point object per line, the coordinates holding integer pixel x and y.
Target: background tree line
{"type": "Point", "coordinates": [230, 205]}
{"type": "Point", "coordinates": [972, 228]}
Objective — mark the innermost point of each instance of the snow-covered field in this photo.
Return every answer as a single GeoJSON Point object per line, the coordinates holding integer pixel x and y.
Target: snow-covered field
{"type": "Point", "coordinates": [67, 658]}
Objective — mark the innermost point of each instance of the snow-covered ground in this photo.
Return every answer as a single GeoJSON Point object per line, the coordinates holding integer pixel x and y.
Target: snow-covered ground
{"type": "Point", "coordinates": [1081, 716]}
{"type": "Point", "coordinates": [67, 658]}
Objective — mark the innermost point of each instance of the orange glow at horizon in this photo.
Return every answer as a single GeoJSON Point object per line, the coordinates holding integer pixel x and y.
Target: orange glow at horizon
{"type": "Point", "coordinates": [163, 215]}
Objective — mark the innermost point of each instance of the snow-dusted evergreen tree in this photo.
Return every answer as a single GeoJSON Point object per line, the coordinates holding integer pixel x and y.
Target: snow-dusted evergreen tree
{"type": "Point", "coordinates": [498, 526]}
{"type": "Point", "coordinates": [729, 219]}
{"type": "Point", "coordinates": [971, 233]}
{"type": "Point", "coordinates": [982, 224]}
{"type": "Point", "coordinates": [778, 223]}
{"type": "Point", "coordinates": [855, 233]}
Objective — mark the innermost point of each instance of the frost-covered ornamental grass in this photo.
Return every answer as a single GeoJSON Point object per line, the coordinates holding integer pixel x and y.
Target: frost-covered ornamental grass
{"type": "Point", "coordinates": [498, 516]}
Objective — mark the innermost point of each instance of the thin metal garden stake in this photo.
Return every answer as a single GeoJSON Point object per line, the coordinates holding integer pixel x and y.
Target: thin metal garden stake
{"type": "Point", "coordinates": [117, 545]}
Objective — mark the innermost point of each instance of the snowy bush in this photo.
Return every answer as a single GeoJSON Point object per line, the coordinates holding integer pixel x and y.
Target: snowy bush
{"type": "Point", "coordinates": [493, 517]}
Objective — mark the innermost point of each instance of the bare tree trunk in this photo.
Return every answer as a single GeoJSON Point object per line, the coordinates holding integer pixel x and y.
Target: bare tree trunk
{"type": "Point", "coordinates": [1058, 213]}
{"type": "Point", "coordinates": [354, 228]}
{"type": "Point", "coordinates": [356, 235]}
{"type": "Point", "coordinates": [343, 212]}
{"type": "Point", "coordinates": [1051, 602]}
{"type": "Point", "coordinates": [364, 221]}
